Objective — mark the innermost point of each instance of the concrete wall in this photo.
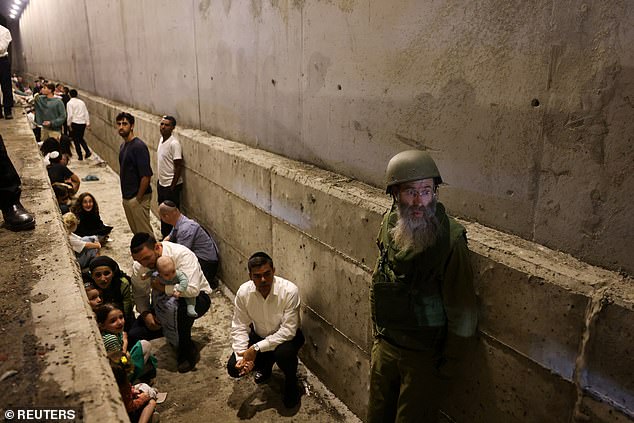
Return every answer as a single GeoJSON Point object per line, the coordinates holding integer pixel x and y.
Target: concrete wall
{"type": "Point", "coordinates": [320, 228]}
{"type": "Point", "coordinates": [525, 105]}
{"type": "Point", "coordinates": [63, 360]}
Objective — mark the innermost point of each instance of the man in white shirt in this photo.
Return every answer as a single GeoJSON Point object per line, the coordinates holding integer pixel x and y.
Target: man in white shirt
{"type": "Point", "coordinates": [266, 327]}
{"type": "Point", "coordinates": [78, 118]}
{"type": "Point", "coordinates": [166, 315]}
{"type": "Point", "coordinates": [170, 165]}
{"type": "Point", "coordinates": [5, 73]}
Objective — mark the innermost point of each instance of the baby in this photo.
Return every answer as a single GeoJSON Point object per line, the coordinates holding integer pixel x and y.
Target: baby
{"type": "Point", "coordinates": [168, 274]}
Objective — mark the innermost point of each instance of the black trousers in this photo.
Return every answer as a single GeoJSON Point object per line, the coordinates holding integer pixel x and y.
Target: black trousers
{"type": "Point", "coordinates": [166, 193]}
{"type": "Point", "coordinates": [5, 83]}
{"type": "Point", "coordinates": [77, 134]}
{"type": "Point", "coordinates": [9, 179]}
{"type": "Point", "coordinates": [284, 355]}
{"type": "Point", "coordinates": [186, 348]}
{"type": "Point", "coordinates": [209, 268]}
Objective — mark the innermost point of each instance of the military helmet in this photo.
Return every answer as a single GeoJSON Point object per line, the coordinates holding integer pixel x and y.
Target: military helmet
{"type": "Point", "coordinates": [411, 165]}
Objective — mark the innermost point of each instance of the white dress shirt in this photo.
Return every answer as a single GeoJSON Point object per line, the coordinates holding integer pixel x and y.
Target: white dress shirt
{"type": "Point", "coordinates": [185, 261]}
{"type": "Point", "coordinates": [5, 40]}
{"type": "Point", "coordinates": [77, 112]}
{"type": "Point", "coordinates": [275, 318]}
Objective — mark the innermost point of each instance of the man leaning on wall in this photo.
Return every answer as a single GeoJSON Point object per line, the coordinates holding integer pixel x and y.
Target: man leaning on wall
{"type": "Point", "coordinates": [169, 158]}
{"type": "Point", "coordinates": [422, 296]}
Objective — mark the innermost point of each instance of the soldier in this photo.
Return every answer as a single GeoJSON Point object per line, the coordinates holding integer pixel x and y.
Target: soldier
{"type": "Point", "coordinates": [422, 297]}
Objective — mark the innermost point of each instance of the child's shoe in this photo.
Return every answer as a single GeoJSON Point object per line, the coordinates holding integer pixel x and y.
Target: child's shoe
{"type": "Point", "coordinates": [191, 311]}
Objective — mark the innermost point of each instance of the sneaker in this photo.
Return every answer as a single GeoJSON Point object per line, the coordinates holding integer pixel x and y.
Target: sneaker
{"type": "Point", "coordinates": [89, 154]}
{"type": "Point", "coordinates": [8, 116]}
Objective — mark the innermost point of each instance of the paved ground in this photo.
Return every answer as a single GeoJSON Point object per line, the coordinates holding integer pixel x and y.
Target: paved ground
{"type": "Point", "coordinates": [206, 394]}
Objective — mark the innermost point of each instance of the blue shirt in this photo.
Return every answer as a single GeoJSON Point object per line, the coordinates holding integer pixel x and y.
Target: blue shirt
{"type": "Point", "coordinates": [189, 233]}
{"type": "Point", "coordinates": [134, 163]}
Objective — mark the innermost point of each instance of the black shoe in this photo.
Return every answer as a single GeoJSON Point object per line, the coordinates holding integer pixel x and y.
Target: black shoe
{"type": "Point", "coordinates": [292, 395]}
{"type": "Point", "coordinates": [261, 376]}
{"type": "Point", "coordinates": [89, 154]}
{"type": "Point", "coordinates": [16, 218]}
{"type": "Point", "coordinates": [8, 116]}
{"type": "Point", "coordinates": [185, 366]}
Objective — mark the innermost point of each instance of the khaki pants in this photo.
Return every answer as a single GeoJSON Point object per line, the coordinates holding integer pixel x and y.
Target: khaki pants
{"type": "Point", "coordinates": [138, 214]}
{"type": "Point", "coordinates": [404, 385]}
{"type": "Point", "coordinates": [47, 133]}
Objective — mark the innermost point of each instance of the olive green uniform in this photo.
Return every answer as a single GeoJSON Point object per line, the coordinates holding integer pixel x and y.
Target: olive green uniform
{"type": "Point", "coordinates": [424, 311]}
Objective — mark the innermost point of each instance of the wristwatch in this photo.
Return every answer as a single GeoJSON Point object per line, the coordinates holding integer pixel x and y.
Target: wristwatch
{"type": "Point", "coordinates": [256, 347]}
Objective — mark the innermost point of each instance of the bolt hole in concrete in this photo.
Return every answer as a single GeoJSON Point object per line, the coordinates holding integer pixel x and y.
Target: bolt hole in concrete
{"type": "Point", "coordinates": [273, 81]}
{"type": "Point", "coordinates": [535, 102]}
{"type": "Point", "coordinates": [339, 87]}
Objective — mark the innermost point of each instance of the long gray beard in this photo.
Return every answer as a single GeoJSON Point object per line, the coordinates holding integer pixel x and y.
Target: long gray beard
{"type": "Point", "coordinates": [415, 233]}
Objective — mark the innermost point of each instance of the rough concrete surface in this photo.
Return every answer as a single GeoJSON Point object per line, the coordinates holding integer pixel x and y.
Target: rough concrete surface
{"type": "Point", "coordinates": [524, 105]}
{"type": "Point", "coordinates": [192, 397]}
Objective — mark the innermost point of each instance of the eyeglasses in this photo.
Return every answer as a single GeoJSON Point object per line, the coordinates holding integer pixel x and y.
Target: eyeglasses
{"type": "Point", "coordinates": [99, 274]}
{"type": "Point", "coordinates": [424, 193]}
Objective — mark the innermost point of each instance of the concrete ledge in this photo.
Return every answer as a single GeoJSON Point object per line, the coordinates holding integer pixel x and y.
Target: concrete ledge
{"type": "Point", "coordinates": [536, 330]}
{"type": "Point", "coordinates": [68, 346]}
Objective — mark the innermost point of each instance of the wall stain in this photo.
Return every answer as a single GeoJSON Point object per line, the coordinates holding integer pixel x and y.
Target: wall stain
{"type": "Point", "coordinates": [203, 8]}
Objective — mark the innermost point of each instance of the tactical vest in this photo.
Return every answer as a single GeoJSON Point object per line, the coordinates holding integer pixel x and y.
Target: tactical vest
{"type": "Point", "coordinates": [406, 294]}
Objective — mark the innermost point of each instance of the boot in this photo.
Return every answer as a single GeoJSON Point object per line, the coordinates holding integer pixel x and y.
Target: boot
{"type": "Point", "coordinates": [16, 218]}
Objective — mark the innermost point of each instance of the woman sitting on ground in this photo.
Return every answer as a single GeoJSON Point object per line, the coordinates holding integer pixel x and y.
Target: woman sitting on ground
{"type": "Point", "coordinates": [87, 211]}
{"type": "Point", "coordinates": [115, 286]}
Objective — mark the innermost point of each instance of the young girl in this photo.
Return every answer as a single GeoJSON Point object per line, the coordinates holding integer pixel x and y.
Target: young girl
{"type": "Point", "coordinates": [87, 211]}
{"type": "Point", "coordinates": [139, 405]}
{"type": "Point", "coordinates": [93, 294]}
{"type": "Point", "coordinates": [111, 321]}
{"type": "Point", "coordinates": [86, 248]}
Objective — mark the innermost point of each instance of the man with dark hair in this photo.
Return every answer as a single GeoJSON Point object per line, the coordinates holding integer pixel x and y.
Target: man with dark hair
{"type": "Point", "coordinates": [78, 119]}
{"type": "Point", "coordinates": [169, 155]}
{"type": "Point", "coordinates": [422, 298]}
{"type": "Point", "coordinates": [266, 327]}
{"type": "Point", "coordinates": [16, 218]}
{"type": "Point", "coordinates": [175, 324]}
{"type": "Point", "coordinates": [5, 73]}
{"type": "Point", "coordinates": [135, 173]}
{"type": "Point", "coordinates": [50, 112]}
{"type": "Point", "coordinates": [189, 233]}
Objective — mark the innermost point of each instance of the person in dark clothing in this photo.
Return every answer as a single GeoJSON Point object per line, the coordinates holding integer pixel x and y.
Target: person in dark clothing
{"type": "Point", "coordinates": [16, 218]}
{"type": "Point", "coordinates": [87, 211]}
{"type": "Point", "coordinates": [58, 172]}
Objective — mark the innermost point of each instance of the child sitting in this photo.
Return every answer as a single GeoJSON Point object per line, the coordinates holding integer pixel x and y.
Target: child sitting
{"type": "Point", "coordinates": [87, 211]}
{"type": "Point", "coordinates": [140, 405]}
{"type": "Point", "coordinates": [111, 321]}
{"type": "Point", "coordinates": [86, 248]}
{"type": "Point", "coordinates": [93, 294]}
{"type": "Point", "coordinates": [167, 273]}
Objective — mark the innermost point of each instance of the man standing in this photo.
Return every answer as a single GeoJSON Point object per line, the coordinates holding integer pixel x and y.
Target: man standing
{"type": "Point", "coordinates": [170, 165]}
{"type": "Point", "coordinates": [78, 119]}
{"type": "Point", "coordinates": [5, 73]}
{"type": "Point", "coordinates": [266, 328]}
{"type": "Point", "coordinates": [189, 233]}
{"type": "Point", "coordinates": [135, 173]}
{"type": "Point", "coordinates": [166, 315]}
{"type": "Point", "coordinates": [50, 112]}
{"type": "Point", "coordinates": [16, 218]}
{"type": "Point", "coordinates": [422, 297]}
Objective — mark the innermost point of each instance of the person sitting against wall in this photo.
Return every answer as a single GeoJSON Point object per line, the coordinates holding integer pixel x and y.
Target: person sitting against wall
{"type": "Point", "coordinates": [266, 327]}
{"type": "Point", "coordinates": [58, 172]}
{"type": "Point", "coordinates": [49, 145]}
{"type": "Point", "coordinates": [114, 286]}
{"type": "Point", "coordinates": [62, 195]}
{"type": "Point", "coordinates": [87, 211]}
{"type": "Point", "coordinates": [188, 232]}
{"type": "Point", "coordinates": [85, 248]}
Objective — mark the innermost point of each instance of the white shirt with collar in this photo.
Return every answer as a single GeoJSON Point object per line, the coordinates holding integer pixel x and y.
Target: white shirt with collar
{"type": "Point", "coordinates": [5, 40]}
{"type": "Point", "coordinates": [275, 318]}
{"type": "Point", "coordinates": [77, 112]}
{"type": "Point", "coordinates": [168, 151]}
{"type": "Point", "coordinates": [184, 260]}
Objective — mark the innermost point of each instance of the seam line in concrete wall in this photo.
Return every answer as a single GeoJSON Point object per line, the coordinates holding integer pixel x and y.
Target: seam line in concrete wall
{"type": "Point", "coordinates": [334, 328]}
